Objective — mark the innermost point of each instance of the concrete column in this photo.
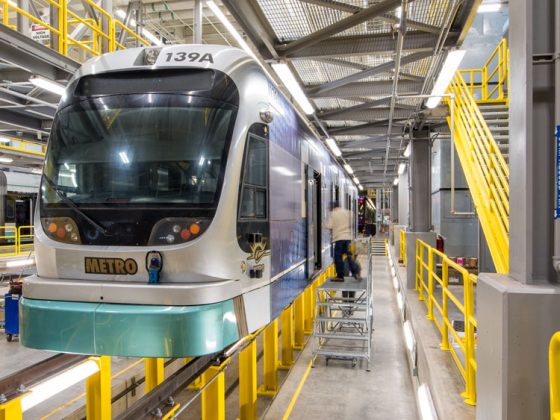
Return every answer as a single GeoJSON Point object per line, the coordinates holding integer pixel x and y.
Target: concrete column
{"type": "Point", "coordinates": [106, 5]}
{"type": "Point", "coordinates": [518, 313]}
{"type": "Point", "coordinates": [403, 199]}
{"type": "Point", "coordinates": [395, 204]}
{"type": "Point", "coordinates": [420, 182]}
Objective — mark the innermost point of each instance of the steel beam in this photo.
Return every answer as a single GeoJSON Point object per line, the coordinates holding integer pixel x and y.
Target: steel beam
{"type": "Point", "coordinates": [23, 52]}
{"type": "Point", "coordinates": [366, 105]}
{"type": "Point", "coordinates": [341, 46]}
{"type": "Point", "coordinates": [382, 68]}
{"type": "Point", "coordinates": [368, 115]}
{"type": "Point", "coordinates": [251, 19]}
{"type": "Point", "coordinates": [22, 121]}
{"type": "Point", "coordinates": [378, 88]}
{"type": "Point", "coordinates": [340, 26]}
{"type": "Point", "coordinates": [377, 127]}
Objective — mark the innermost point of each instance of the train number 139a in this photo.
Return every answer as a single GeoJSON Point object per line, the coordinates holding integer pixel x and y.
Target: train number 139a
{"type": "Point", "coordinates": [190, 57]}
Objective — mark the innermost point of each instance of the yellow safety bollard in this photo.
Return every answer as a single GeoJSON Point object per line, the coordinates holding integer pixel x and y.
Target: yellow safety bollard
{"type": "Point", "coordinates": [154, 372]}
{"type": "Point", "coordinates": [299, 324]}
{"type": "Point", "coordinates": [214, 395]}
{"type": "Point", "coordinates": [287, 338]}
{"type": "Point", "coordinates": [11, 410]}
{"type": "Point", "coordinates": [270, 362]}
{"type": "Point", "coordinates": [98, 391]}
{"type": "Point", "coordinates": [248, 382]}
{"type": "Point", "coordinates": [308, 298]}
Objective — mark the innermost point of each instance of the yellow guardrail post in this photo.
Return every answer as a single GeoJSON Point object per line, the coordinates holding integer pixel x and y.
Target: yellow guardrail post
{"type": "Point", "coordinates": [308, 306]}
{"type": "Point", "coordinates": [554, 375]}
{"type": "Point", "coordinates": [445, 313]}
{"type": "Point", "coordinates": [248, 382]}
{"type": "Point", "coordinates": [299, 325]}
{"type": "Point", "coordinates": [213, 396]}
{"type": "Point", "coordinates": [11, 410]}
{"type": "Point", "coordinates": [270, 361]}
{"type": "Point", "coordinates": [421, 282]}
{"type": "Point", "coordinates": [470, 371]}
{"type": "Point", "coordinates": [430, 283]}
{"type": "Point", "coordinates": [154, 372]}
{"type": "Point", "coordinates": [287, 338]}
{"type": "Point", "coordinates": [98, 391]}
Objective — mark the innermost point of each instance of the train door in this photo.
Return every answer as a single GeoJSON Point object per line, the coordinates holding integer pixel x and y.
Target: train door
{"type": "Point", "coordinates": [313, 204]}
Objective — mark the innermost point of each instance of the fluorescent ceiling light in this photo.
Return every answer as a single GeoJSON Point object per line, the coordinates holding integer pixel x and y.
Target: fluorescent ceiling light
{"type": "Point", "coordinates": [360, 187]}
{"type": "Point", "coordinates": [124, 157]}
{"type": "Point", "coordinates": [334, 147]}
{"type": "Point", "coordinates": [396, 182]}
{"type": "Point", "coordinates": [45, 390]}
{"type": "Point", "coordinates": [348, 168]}
{"type": "Point", "coordinates": [402, 167]}
{"type": "Point", "coordinates": [6, 160]}
{"type": "Point", "coordinates": [447, 72]}
{"type": "Point", "coordinates": [47, 84]}
{"type": "Point", "coordinates": [407, 150]}
{"type": "Point", "coordinates": [5, 140]}
{"type": "Point", "coordinates": [356, 180]}
{"type": "Point", "coordinates": [489, 7]}
{"type": "Point", "coordinates": [231, 29]}
{"type": "Point", "coordinates": [287, 77]}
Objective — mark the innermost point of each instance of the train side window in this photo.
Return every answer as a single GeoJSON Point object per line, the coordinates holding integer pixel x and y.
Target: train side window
{"type": "Point", "coordinates": [254, 193]}
{"type": "Point", "coordinates": [10, 209]}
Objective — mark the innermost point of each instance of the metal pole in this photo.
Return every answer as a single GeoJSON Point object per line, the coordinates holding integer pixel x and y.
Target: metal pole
{"type": "Point", "coordinates": [197, 22]}
{"type": "Point", "coordinates": [556, 258]}
{"type": "Point", "coordinates": [22, 22]}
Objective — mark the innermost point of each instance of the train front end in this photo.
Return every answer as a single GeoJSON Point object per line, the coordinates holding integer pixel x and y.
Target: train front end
{"type": "Point", "coordinates": [133, 242]}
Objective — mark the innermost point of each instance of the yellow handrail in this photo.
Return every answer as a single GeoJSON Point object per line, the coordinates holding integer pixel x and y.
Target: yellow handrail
{"type": "Point", "coordinates": [26, 235]}
{"type": "Point", "coordinates": [485, 168]}
{"type": "Point", "coordinates": [491, 82]}
{"type": "Point", "coordinates": [402, 248]}
{"type": "Point", "coordinates": [427, 282]}
{"type": "Point", "coordinates": [554, 375]}
{"type": "Point", "coordinates": [95, 42]}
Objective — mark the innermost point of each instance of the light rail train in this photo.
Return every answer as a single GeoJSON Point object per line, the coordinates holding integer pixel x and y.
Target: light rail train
{"type": "Point", "coordinates": [182, 206]}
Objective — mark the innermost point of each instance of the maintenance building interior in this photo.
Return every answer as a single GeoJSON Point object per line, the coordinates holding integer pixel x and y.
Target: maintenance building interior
{"type": "Point", "coordinates": [435, 124]}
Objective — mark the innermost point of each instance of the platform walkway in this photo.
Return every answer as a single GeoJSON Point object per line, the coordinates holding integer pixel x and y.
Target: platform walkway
{"type": "Point", "coordinates": [339, 391]}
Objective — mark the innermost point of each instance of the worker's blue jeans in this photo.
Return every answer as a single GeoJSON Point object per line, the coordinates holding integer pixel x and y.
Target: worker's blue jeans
{"type": "Point", "coordinates": [342, 248]}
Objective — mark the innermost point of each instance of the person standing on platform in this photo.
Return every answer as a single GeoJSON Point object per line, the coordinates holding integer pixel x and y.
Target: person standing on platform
{"type": "Point", "coordinates": [339, 223]}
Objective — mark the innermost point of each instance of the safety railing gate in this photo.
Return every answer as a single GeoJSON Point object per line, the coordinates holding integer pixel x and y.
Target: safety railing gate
{"type": "Point", "coordinates": [344, 316]}
{"type": "Point", "coordinates": [433, 270]}
{"type": "Point", "coordinates": [485, 168]}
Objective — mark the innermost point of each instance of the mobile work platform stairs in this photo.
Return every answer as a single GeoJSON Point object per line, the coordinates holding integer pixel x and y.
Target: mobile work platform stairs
{"type": "Point", "coordinates": [343, 322]}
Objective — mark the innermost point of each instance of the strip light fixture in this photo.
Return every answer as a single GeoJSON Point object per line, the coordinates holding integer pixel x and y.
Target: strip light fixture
{"type": "Point", "coordinates": [360, 187]}
{"type": "Point", "coordinates": [447, 72]}
{"type": "Point", "coordinates": [6, 160]}
{"type": "Point", "coordinates": [47, 84]}
{"type": "Point", "coordinates": [489, 7]}
{"type": "Point", "coordinates": [407, 151]}
{"type": "Point", "coordinates": [396, 182]}
{"type": "Point", "coordinates": [333, 146]}
{"type": "Point", "coordinates": [287, 77]}
{"type": "Point", "coordinates": [5, 140]}
{"type": "Point", "coordinates": [348, 169]}
{"type": "Point", "coordinates": [356, 180]}
{"type": "Point", "coordinates": [402, 167]}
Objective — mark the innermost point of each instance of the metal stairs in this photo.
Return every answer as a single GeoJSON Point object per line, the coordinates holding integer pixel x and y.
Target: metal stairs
{"type": "Point", "coordinates": [344, 318]}
{"type": "Point", "coordinates": [378, 247]}
{"type": "Point", "coordinates": [496, 116]}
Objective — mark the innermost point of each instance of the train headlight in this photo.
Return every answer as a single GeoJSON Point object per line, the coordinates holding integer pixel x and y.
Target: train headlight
{"type": "Point", "coordinates": [62, 229]}
{"type": "Point", "coordinates": [177, 230]}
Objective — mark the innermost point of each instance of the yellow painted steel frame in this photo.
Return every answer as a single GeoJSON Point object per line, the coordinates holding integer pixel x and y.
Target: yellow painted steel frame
{"type": "Point", "coordinates": [402, 248]}
{"type": "Point", "coordinates": [155, 372]}
{"type": "Point", "coordinates": [98, 391]}
{"type": "Point", "coordinates": [97, 42]}
{"type": "Point", "coordinates": [427, 261]}
{"type": "Point", "coordinates": [486, 171]}
{"type": "Point", "coordinates": [495, 72]}
{"type": "Point", "coordinates": [554, 375]}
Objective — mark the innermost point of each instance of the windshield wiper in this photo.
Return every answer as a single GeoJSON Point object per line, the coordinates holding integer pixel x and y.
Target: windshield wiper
{"type": "Point", "coordinates": [74, 207]}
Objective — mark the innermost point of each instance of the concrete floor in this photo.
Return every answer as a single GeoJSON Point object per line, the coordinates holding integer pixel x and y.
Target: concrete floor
{"type": "Point", "coordinates": [338, 391]}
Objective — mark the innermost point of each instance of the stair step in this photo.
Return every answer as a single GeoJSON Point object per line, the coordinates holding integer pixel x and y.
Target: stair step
{"type": "Point", "coordinates": [342, 336]}
{"type": "Point", "coordinates": [341, 304]}
{"type": "Point", "coordinates": [346, 320]}
{"type": "Point", "coordinates": [500, 122]}
{"type": "Point", "coordinates": [342, 353]}
{"type": "Point", "coordinates": [498, 115]}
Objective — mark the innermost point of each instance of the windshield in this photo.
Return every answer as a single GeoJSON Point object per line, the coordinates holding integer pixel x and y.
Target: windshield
{"type": "Point", "coordinates": [139, 149]}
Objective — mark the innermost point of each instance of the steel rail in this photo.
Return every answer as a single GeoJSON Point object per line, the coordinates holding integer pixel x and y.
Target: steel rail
{"type": "Point", "coordinates": [16, 384]}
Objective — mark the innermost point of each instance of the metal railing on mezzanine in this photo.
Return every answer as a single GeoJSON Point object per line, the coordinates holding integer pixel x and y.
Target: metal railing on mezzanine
{"type": "Point", "coordinates": [434, 289]}
{"type": "Point", "coordinates": [97, 36]}
{"type": "Point", "coordinates": [16, 241]}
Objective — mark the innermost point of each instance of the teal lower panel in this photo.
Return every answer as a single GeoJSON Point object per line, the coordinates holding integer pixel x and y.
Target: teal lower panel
{"type": "Point", "coordinates": [127, 330]}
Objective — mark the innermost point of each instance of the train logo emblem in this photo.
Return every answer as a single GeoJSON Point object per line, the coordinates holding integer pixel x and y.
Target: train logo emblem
{"type": "Point", "coordinates": [94, 265]}
{"type": "Point", "coordinates": [258, 251]}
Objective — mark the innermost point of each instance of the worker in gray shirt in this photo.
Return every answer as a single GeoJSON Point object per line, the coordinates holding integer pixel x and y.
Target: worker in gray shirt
{"type": "Point", "coordinates": [339, 223]}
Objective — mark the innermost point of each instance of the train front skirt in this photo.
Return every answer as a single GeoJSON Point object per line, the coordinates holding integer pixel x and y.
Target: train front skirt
{"type": "Point", "coordinates": [127, 330]}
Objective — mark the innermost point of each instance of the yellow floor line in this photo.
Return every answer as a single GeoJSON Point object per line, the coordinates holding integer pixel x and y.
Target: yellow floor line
{"type": "Point", "coordinates": [298, 390]}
